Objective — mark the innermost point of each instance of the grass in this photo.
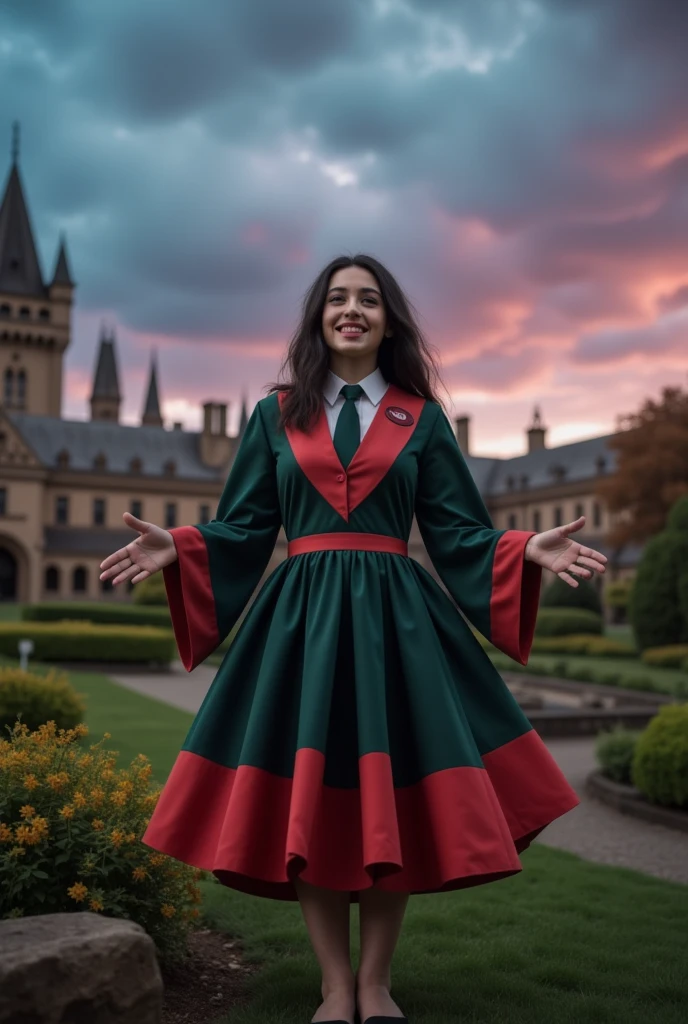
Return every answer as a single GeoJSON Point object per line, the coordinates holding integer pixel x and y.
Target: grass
{"type": "Point", "coordinates": [666, 679]}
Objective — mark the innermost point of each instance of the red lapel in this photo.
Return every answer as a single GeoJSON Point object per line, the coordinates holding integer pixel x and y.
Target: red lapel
{"type": "Point", "coordinates": [384, 439]}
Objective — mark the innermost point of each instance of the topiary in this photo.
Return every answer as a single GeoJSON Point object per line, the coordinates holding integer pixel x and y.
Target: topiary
{"type": "Point", "coordinates": [71, 824]}
{"type": "Point", "coordinates": [660, 763]}
{"type": "Point", "coordinates": [151, 590]}
{"type": "Point", "coordinates": [559, 594]}
{"type": "Point", "coordinates": [567, 621]}
{"type": "Point", "coordinates": [659, 600]}
{"type": "Point", "coordinates": [38, 699]}
{"type": "Point", "coordinates": [614, 752]}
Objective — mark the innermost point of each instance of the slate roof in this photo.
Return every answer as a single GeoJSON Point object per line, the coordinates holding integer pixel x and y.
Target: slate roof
{"type": "Point", "coordinates": [62, 273]}
{"type": "Point", "coordinates": [85, 439]}
{"type": "Point", "coordinates": [579, 461]}
{"type": "Point", "coordinates": [20, 270]}
{"type": "Point", "coordinates": [106, 378]}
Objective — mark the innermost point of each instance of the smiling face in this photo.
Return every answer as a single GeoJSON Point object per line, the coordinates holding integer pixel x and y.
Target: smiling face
{"type": "Point", "coordinates": [354, 322]}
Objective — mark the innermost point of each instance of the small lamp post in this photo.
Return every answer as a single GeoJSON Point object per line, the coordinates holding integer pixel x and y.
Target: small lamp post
{"type": "Point", "coordinates": [25, 649]}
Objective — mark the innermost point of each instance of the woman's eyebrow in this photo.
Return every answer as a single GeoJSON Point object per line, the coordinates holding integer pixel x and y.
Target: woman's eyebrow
{"type": "Point", "coordinates": [341, 288]}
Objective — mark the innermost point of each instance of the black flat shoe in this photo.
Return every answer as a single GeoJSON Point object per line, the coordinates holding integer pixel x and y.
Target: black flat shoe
{"type": "Point", "coordinates": [386, 1020]}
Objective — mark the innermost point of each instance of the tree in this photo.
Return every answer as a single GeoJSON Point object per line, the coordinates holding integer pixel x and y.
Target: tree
{"type": "Point", "coordinates": [652, 467]}
{"type": "Point", "coordinates": [659, 602]}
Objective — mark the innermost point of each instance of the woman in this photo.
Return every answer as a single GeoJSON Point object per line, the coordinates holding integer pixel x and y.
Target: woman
{"type": "Point", "coordinates": [357, 744]}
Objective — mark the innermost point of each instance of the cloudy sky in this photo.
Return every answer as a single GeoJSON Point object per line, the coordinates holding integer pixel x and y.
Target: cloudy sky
{"type": "Point", "coordinates": [521, 166]}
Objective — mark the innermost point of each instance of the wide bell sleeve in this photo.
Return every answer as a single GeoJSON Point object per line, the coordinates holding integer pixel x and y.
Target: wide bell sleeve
{"type": "Point", "coordinates": [483, 569]}
{"type": "Point", "coordinates": [221, 562]}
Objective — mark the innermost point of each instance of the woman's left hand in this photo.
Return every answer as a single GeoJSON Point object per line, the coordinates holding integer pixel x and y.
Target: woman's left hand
{"type": "Point", "coordinates": [555, 551]}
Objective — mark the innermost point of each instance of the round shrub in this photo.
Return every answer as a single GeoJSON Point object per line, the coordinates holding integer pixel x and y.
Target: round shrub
{"type": "Point", "coordinates": [559, 594]}
{"type": "Point", "coordinates": [151, 590]}
{"type": "Point", "coordinates": [614, 752]}
{"type": "Point", "coordinates": [659, 601]}
{"type": "Point", "coordinates": [567, 621]}
{"type": "Point", "coordinates": [97, 611]}
{"type": "Point", "coordinates": [70, 837]}
{"type": "Point", "coordinates": [671, 656]}
{"type": "Point", "coordinates": [660, 763]}
{"type": "Point", "coordinates": [38, 699]}
{"type": "Point", "coordinates": [618, 594]}
{"type": "Point", "coordinates": [88, 641]}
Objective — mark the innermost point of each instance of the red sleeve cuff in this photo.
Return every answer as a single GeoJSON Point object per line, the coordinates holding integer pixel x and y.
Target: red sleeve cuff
{"type": "Point", "coordinates": [515, 596]}
{"type": "Point", "coordinates": [190, 597]}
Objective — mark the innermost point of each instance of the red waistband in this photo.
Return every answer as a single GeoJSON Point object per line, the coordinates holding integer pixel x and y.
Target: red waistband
{"type": "Point", "coordinates": [347, 542]}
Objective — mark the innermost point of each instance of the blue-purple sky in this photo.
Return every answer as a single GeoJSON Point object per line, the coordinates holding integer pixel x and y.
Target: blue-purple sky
{"type": "Point", "coordinates": [522, 167]}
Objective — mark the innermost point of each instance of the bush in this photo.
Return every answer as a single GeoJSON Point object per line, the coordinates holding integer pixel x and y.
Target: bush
{"type": "Point", "coordinates": [151, 591]}
{"type": "Point", "coordinates": [671, 656]}
{"type": "Point", "coordinates": [659, 602]}
{"type": "Point", "coordinates": [584, 643]}
{"type": "Point", "coordinates": [85, 641]}
{"type": "Point", "coordinates": [97, 611]}
{"type": "Point", "coordinates": [560, 594]}
{"type": "Point", "coordinates": [567, 621]}
{"type": "Point", "coordinates": [38, 699]}
{"type": "Point", "coordinates": [660, 764]}
{"type": "Point", "coordinates": [618, 594]}
{"type": "Point", "coordinates": [614, 752]}
{"type": "Point", "coordinates": [70, 831]}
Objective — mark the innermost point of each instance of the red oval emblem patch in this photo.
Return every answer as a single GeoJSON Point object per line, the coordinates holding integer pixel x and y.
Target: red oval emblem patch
{"type": "Point", "coordinates": [397, 415]}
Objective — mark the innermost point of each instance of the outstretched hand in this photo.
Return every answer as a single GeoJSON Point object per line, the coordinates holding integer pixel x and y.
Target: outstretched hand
{"type": "Point", "coordinates": [554, 550]}
{"type": "Point", "coordinates": [151, 551]}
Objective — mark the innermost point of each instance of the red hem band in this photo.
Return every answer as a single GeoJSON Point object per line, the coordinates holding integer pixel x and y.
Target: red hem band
{"type": "Point", "coordinates": [347, 542]}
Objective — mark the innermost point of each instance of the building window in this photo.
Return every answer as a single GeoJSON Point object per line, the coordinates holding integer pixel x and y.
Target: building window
{"type": "Point", "coordinates": [510, 483]}
{"type": "Point", "coordinates": [580, 510]}
{"type": "Point", "coordinates": [44, 314]}
{"type": "Point", "coordinates": [106, 586]}
{"type": "Point", "coordinates": [79, 579]}
{"type": "Point", "coordinates": [62, 458]}
{"type": "Point", "coordinates": [3, 501]}
{"type": "Point", "coordinates": [135, 465]}
{"type": "Point", "coordinates": [52, 578]}
{"type": "Point", "coordinates": [524, 482]}
{"type": "Point", "coordinates": [170, 515]}
{"type": "Point", "coordinates": [512, 521]}
{"type": "Point", "coordinates": [100, 462]}
{"type": "Point", "coordinates": [169, 467]}
{"type": "Point", "coordinates": [536, 520]}
{"type": "Point", "coordinates": [136, 508]}
{"type": "Point", "coordinates": [596, 514]}
{"type": "Point", "coordinates": [99, 511]}
{"type": "Point", "coordinates": [8, 386]}
{"type": "Point", "coordinates": [25, 311]}
{"type": "Point", "coordinates": [5, 309]}
{"type": "Point", "coordinates": [62, 509]}
{"type": "Point", "coordinates": [21, 387]}
{"type": "Point", "coordinates": [204, 514]}
{"type": "Point", "coordinates": [558, 515]}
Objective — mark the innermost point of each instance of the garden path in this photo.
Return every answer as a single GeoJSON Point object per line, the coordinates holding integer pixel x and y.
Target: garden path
{"type": "Point", "coordinates": [592, 830]}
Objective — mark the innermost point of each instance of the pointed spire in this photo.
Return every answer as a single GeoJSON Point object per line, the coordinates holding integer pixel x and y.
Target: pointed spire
{"type": "Point", "coordinates": [106, 378]}
{"type": "Point", "coordinates": [243, 418]}
{"type": "Point", "coordinates": [151, 410]}
{"type": "Point", "coordinates": [20, 270]}
{"type": "Point", "coordinates": [62, 273]}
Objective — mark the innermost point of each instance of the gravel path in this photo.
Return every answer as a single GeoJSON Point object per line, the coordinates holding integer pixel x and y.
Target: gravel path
{"type": "Point", "coordinates": [592, 830]}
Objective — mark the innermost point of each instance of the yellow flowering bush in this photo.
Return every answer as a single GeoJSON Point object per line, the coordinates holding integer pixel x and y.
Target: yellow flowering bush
{"type": "Point", "coordinates": [71, 823]}
{"type": "Point", "coordinates": [38, 699]}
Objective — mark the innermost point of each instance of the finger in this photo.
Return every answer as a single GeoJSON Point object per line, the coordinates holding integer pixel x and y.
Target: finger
{"type": "Point", "coordinates": [577, 524]}
{"type": "Point", "coordinates": [138, 524]}
{"type": "Point", "coordinates": [580, 570]}
{"type": "Point", "coordinates": [143, 575]}
{"type": "Point", "coordinates": [567, 579]}
{"type": "Point", "coordinates": [591, 553]}
{"type": "Point", "coordinates": [597, 566]}
{"type": "Point", "coordinates": [132, 570]}
{"type": "Point", "coordinates": [116, 556]}
{"type": "Point", "coordinates": [114, 569]}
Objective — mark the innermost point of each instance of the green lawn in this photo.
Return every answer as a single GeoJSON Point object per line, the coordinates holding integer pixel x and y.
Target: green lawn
{"type": "Point", "coordinates": [566, 941]}
{"type": "Point", "coordinates": [665, 678]}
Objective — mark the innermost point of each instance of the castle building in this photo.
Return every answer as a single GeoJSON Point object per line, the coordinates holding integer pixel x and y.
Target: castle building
{"type": "Point", "coordinates": [64, 484]}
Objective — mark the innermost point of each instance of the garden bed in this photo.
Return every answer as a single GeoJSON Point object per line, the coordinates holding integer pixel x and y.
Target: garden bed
{"type": "Point", "coordinates": [628, 800]}
{"type": "Point", "coordinates": [209, 982]}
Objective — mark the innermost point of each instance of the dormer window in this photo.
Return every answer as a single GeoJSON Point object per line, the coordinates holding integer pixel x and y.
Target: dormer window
{"type": "Point", "coordinates": [100, 462]}
{"type": "Point", "coordinates": [510, 482]}
{"type": "Point", "coordinates": [600, 464]}
{"type": "Point", "coordinates": [558, 472]}
{"type": "Point", "coordinates": [135, 465]}
{"type": "Point", "coordinates": [62, 458]}
{"type": "Point", "coordinates": [169, 467]}
{"type": "Point", "coordinates": [524, 481]}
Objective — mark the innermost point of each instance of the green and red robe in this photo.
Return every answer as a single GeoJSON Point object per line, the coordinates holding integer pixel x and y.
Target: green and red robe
{"type": "Point", "coordinates": [356, 733]}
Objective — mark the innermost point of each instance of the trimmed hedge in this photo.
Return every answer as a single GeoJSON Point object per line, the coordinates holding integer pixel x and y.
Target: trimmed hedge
{"type": "Point", "coordinates": [38, 699]}
{"type": "Point", "coordinates": [96, 611]}
{"type": "Point", "coordinates": [87, 641]}
{"type": "Point", "coordinates": [151, 591]}
{"type": "Point", "coordinates": [660, 763]}
{"type": "Point", "coordinates": [671, 656]}
{"type": "Point", "coordinates": [659, 603]}
{"type": "Point", "coordinates": [584, 643]}
{"type": "Point", "coordinates": [567, 622]}
{"type": "Point", "coordinates": [618, 594]}
{"type": "Point", "coordinates": [560, 594]}
{"type": "Point", "coordinates": [614, 751]}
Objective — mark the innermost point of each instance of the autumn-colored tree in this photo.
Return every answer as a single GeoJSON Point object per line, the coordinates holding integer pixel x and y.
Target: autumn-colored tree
{"type": "Point", "coordinates": [652, 467]}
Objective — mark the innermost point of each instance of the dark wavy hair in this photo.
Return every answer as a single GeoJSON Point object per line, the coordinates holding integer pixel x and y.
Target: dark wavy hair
{"type": "Point", "coordinates": [405, 359]}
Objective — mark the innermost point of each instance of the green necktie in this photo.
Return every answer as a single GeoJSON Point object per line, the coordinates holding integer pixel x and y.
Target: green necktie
{"type": "Point", "coordinates": [347, 432]}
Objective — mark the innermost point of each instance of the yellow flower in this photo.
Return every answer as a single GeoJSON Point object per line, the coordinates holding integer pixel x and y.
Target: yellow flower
{"type": "Point", "coordinates": [107, 736]}
{"type": "Point", "coordinates": [17, 851]}
{"type": "Point", "coordinates": [39, 827]}
{"type": "Point", "coordinates": [117, 837]}
{"type": "Point", "coordinates": [97, 795]}
{"type": "Point", "coordinates": [139, 874]}
{"type": "Point", "coordinates": [81, 729]}
{"type": "Point", "coordinates": [167, 910]}
{"type": "Point", "coordinates": [6, 834]}
{"type": "Point", "coordinates": [98, 824]}
{"type": "Point", "coordinates": [78, 892]}
{"type": "Point", "coordinates": [27, 811]}
{"type": "Point", "coordinates": [22, 833]}
{"type": "Point", "coordinates": [30, 781]}
{"type": "Point", "coordinates": [157, 859]}
{"type": "Point", "coordinates": [107, 774]}
{"type": "Point", "coordinates": [58, 780]}
{"type": "Point", "coordinates": [87, 760]}
{"type": "Point", "coordinates": [95, 904]}
{"type": "Point", "coordinates": [118, 798]}
{"type": "Point", "coordinates": [130, 837]}
{"type": "Point", "coordinates": [142, 758]}
{"type": "Point", "coordinates": [79, 800]}
{"type": "Point", "coordinates": [67, 811]}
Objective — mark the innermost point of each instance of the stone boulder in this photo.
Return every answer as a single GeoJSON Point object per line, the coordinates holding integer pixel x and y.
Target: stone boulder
{"type": "Point", "coordinates": [78, 968]}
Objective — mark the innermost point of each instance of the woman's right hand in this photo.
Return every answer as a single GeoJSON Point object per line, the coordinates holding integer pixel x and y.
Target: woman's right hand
{"type": "Point", "coordinates": [151, 551]}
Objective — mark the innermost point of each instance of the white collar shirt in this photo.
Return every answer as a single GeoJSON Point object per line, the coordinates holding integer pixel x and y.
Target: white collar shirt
{"type": "Point", "coordinates": [374, 387]}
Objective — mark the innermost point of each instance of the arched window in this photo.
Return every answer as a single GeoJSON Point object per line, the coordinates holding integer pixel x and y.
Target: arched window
{"type": "Point", "coordinates": [52, 578]}
{"type": "Point", "coordinates": [5, 309]}
{"type": "Point", "coordinates": [79, 579]}
{"type": "Point", "coordinates": [44, 314]}
{"type": "Point", "coordinates": [106, 586]}
{"type": "Point", "coordinates": [25, 312]}
{"type": "Point", "coordinates": [21, 387]}
{"type": "Point", "coordinates": [8, 390]}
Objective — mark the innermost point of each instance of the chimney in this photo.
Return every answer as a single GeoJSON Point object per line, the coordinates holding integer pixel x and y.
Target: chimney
{"type": "Point", "coordinates": [214, 418]}
{"type": "Point", "coordinates": [536, 433]}
{"type": "Point", "coordinates": [462, 424]}
{"type": "Point", "coordinates": [215, 446]}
